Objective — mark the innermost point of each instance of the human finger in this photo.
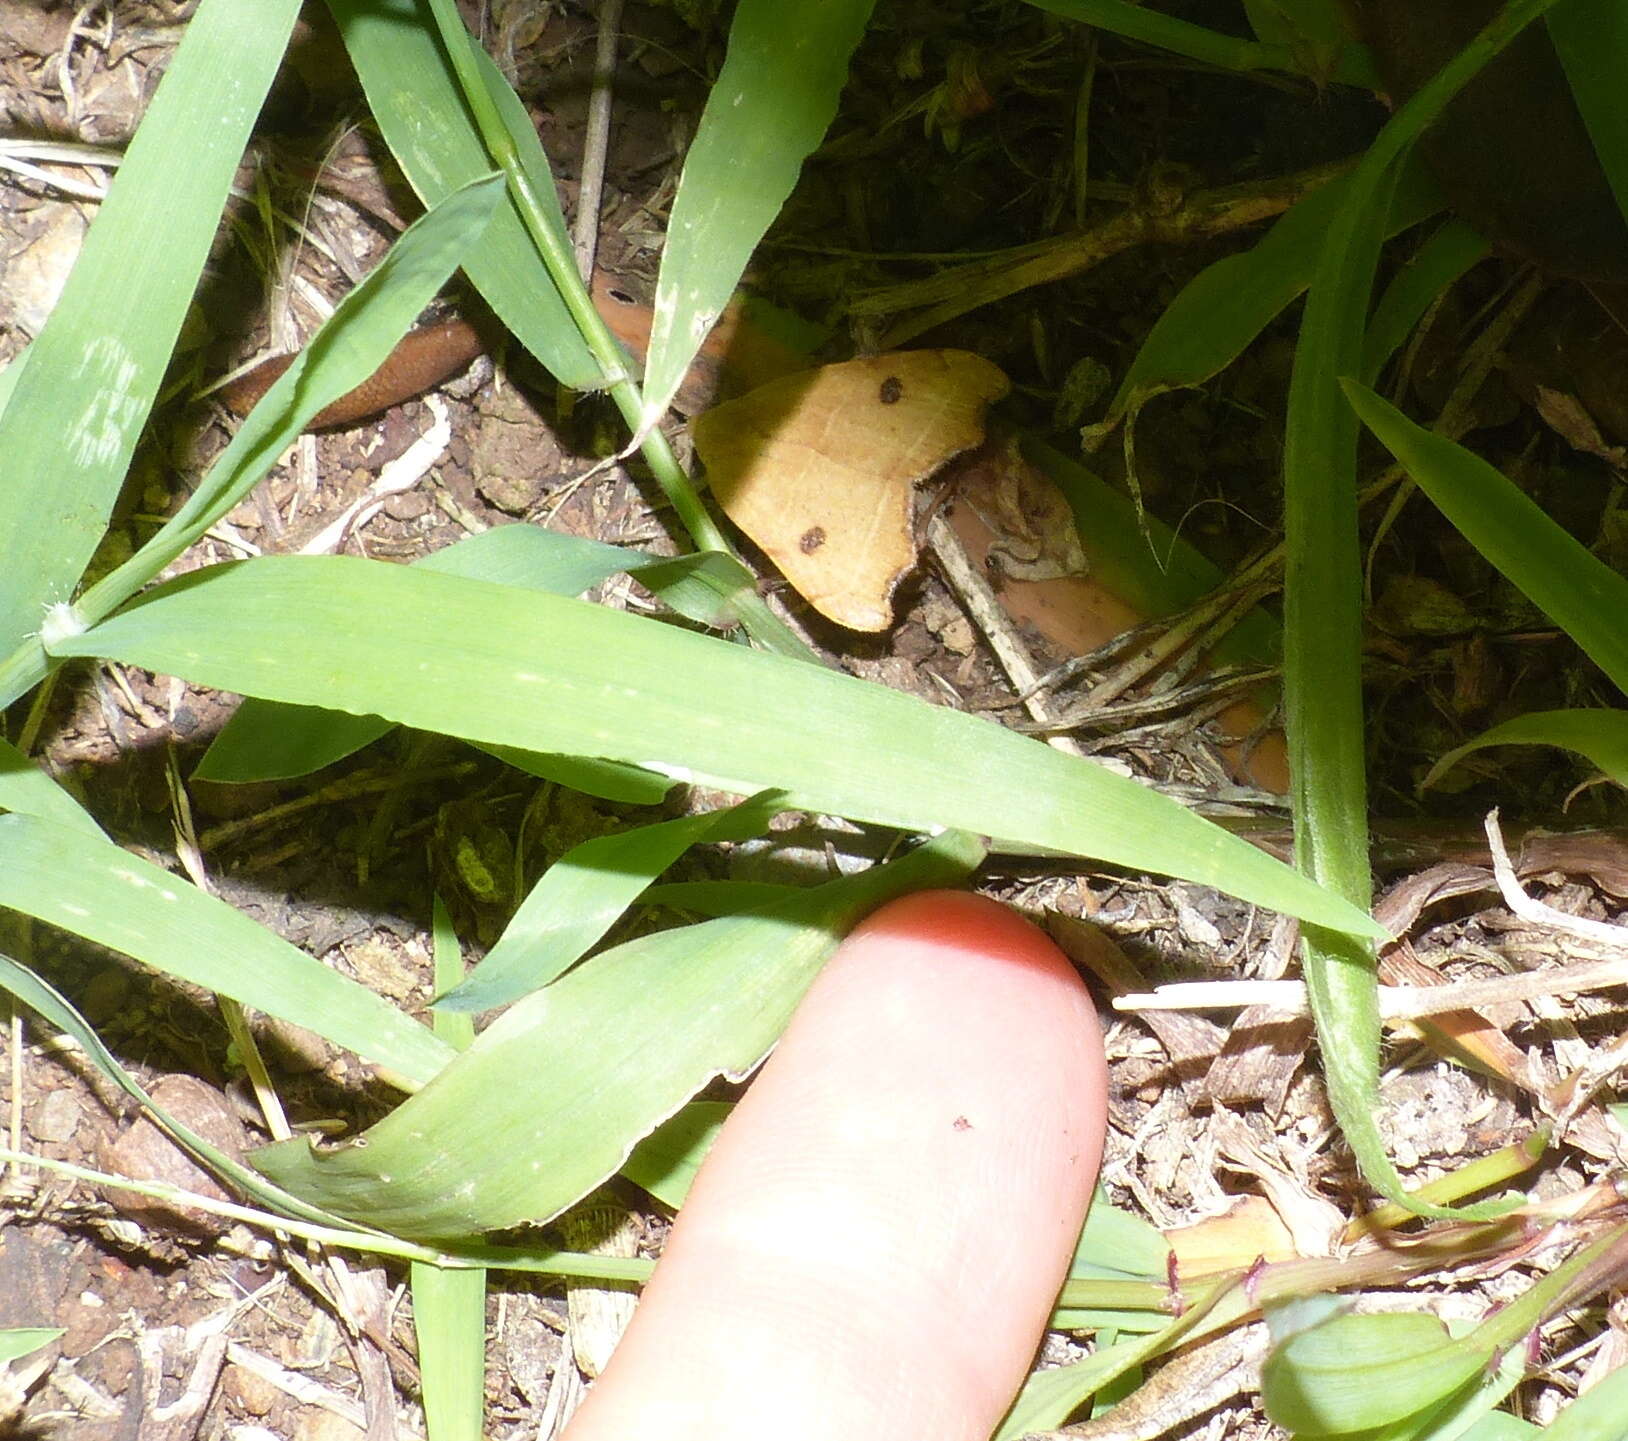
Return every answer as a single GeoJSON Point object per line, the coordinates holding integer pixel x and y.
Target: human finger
{"type": "Point", "coordinates": [873, 1245]}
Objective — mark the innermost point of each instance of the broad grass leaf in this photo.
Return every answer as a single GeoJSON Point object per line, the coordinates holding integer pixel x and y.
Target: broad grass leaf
{"type": "Point", "coordinates": [274, 741]}
{"type": "Point", "coordinates": [343, 353]}
{"type": "Point", "coordinates": [269, 740]}
{"type": "Point", "coordinates": [1460, 1415]}
{"type": "Point", "coordinates": [25, 787]}
{"type": "Point", "coordinates": [1337, 1374]}
{"type": "Point", "coordinates": [449, 1324]}
{"type": "Point", "coordinates": [1353, 1373]}
{"type": "Point", "coordinates": [607, 780]}
{"type": "Point", "coordinates": [1600, 735]}
{"type": "Point", "coordinates": [1501, 1426]}
{"type": "Point", "coordinates": [665, 1162]}
{"type": "Point", "coordinates": [1313, 31]}
{"type": "Point", "coordinates": [1591, 38]}
{"type": "Point", "coordinates": [564, 1082]}
{"type": "Point", "coordinates": [1467, 1413]}
{"type": "Point", "coordinates": [1115, 1245]}
{"type": "Point", "coordinates": [769, 108]}
{"type": "Point", "coordinates": [1575, 589]}
{"type": "Point", "coordinates": [499, 665]}
{"type": "Point", "coordinates": [422, 114]}
{"type": "Point", "coordinates": [81, 402]}
{"type": "Point", "coordinates": [584, 893]}
{"type": "Point", "coordinates": [91, 887]}
{"type": "Point", "coordinates": [1322, 626]}
{"type": "Point", "coordinates": [458, 1031]}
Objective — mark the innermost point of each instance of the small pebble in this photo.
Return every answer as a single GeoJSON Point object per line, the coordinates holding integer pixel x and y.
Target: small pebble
{"type": "Point", "coordinates": [56, 1117]}
{"type": "Point", "coordinates": [144, 1153]}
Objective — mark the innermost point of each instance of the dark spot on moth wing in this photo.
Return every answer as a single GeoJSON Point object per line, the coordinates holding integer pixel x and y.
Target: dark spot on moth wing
{"type": "Point", "coordinates": [891, 391]}
{"type": "Point", "coordinates": [961, 1123]}
{"type": "Point", "coordinates": [811, 539]}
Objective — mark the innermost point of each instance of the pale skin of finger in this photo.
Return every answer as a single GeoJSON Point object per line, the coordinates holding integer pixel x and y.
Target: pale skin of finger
{"type": "Point", "coordinates": [872, 1248]}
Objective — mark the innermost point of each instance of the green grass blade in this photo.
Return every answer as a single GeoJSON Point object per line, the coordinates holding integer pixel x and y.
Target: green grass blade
{"type": "Point", "coordinates": [1050, 1397]}
{"type": "Point", "coordinates": [41, 997]}
{"type": "Point", "coordinates": [1119, 1245]}
{"type": "Point", "coordinates": [92, 888]}
{"type": "Point", "coordinates": [1440, 261]}
{"type": "Point", "coordinates": [273, 741]}
{"type": "Point", "coordinates": [584, 893]}
{"type": "Point", "coordinates": [408, 54]}
{"type": "Point", "coordinates": [1323, 612]}
{"type": "Point", "coordinates": [513, 667]}
{"type": "Point", "coordinates": [665, 1162]}
{"type": "Point", "coordinates": [1600, 735]}
{"type": "Point", "coordinates": [80, 404]}
{"type": "Point", "coordinates": [1575, 589]}
{"type": "Point", "coordinates": [1313, 31]}
{"type": "Point", "coordinates": [449, 1306]}
{"type": "Point", "coordinates": [25, 787]}
{"type": "Point", "coordinates": [1346, 1373]}
{"type": "Point", "coordinates": [1322, 651]}
{"type": "Point", "coordinates": [20, 1340]}
{"type": "Point", "coordinates": [1600, 1414]}
{"type": "Point", "coordinates": [10, 374]}
{"type": "Point", "coordinates": [1223, 308]}
{"type": "Point", "coordinates": [695, 586]}
{"type": "Point", "coordinates": [1591, 38]}
{"type": "Point", "coordinates": [1460, 1417]}
{"type": "Point", "coordinates": [270, 741]}
{"type": "Point", "coordinates": [770, 107]}
{"type": "Point", "coordinates": [1115, 1246]}
{"type": "Point", "coordinates": [1180, 37]}
{"type": "Point", "coordinates": [1501, 1426]}
{"type": "Point", "coordinates": [568, 1079]}
{"type": "Point", "coordinates": [1146, 563]}
{"type": "Point", "coordinates": [458, 1031]}
{"type": "Point", "coordinates": [354, 342]}
{"type": "Point", "coordinates": [716, 898]}
{"type": "Point", "coordinates": [421, 112]}
{"type": "Point", "coordinates": [265, 740]}
{"type": "Point", "coordinates": [449, 1320]}
{"type": "Point", "coordinates": [1354, 1373]}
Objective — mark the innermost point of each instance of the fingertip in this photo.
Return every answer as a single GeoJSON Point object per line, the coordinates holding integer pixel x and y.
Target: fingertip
{"type": "Point", "coordinates": [873, 1246]}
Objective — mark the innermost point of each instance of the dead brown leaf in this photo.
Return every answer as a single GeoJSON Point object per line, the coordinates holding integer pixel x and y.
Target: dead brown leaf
{"type": "Point", "coordinates": [820, 468]}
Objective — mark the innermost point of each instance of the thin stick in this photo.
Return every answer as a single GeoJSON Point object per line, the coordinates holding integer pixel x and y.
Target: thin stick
{"type": "Point", "coordinates": [591, 188]}
{"type": "Point", "coordinates": [1396, 1003]}
{"type": "Point", "coordinates": [984, 609]}
{"type": "Point", "coordinates": [1159, 218]}
{"type": "Point", "coordinates": [1535, 911]}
